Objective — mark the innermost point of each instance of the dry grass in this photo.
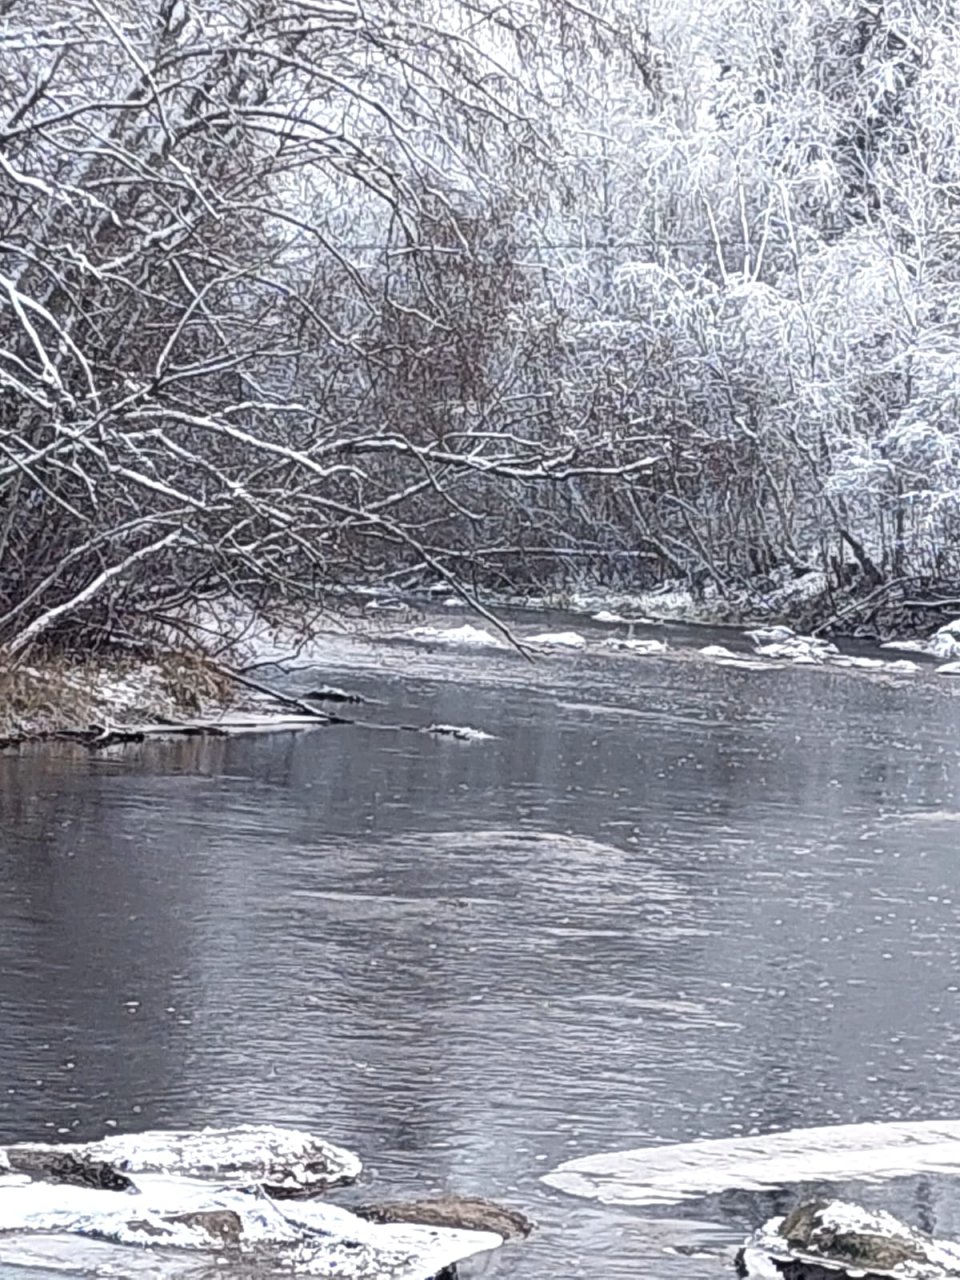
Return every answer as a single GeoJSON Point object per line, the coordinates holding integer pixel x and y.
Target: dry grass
{"type": "Point", "coordinates": [56, 695]}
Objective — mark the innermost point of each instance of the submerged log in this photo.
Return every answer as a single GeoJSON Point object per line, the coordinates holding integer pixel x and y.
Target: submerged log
{"type": "Point", "coordinates": [833, 1240]}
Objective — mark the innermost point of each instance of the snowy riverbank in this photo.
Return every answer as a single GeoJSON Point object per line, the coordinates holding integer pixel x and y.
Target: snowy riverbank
{"type": "Point", "coordinates": [214, 686]}
{"type": "Point", "coordinates": [105, 700]}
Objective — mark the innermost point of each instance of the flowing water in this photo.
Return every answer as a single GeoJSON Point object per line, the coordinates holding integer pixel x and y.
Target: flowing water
{"type": "Point", "coordinates": [667, 900]}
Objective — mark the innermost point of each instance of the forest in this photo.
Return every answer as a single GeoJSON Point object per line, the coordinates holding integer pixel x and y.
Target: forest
{"type": "Point", "coordinates": [516, 295]}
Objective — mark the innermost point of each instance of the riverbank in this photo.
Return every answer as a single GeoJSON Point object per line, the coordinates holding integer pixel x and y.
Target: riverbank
{"type": "Point", "coordinates": [207, 682]}
{"type": "Point", "coordinates": [810, 603]}
{"type": "Point", "coordinates": [103, 699]}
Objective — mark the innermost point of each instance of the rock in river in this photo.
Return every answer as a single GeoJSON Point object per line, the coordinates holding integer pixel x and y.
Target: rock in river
{"type": "Point", "coordinates": [832, 1240]}
{"type": "Point", "coordinates": [467, 1213]}
{"type": "Point", "coordinates": [286, 1161]}
{"type": "Point", "coordinates": [205, 1194]}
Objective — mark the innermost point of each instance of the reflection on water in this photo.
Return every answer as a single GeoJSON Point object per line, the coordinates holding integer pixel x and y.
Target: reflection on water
{"type": "Point", "coordinates": [668, 901]}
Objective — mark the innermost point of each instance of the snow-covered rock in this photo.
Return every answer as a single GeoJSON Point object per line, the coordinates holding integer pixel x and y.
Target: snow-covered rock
{"type": "Point", "coordinates": [949, 669]}
{"type": "Point", "coordinates": [204, 1193]}
{"type": "Point", "coordinates": [717, 651]}
{"type": "Point", "coordinates": [606, 616]}
{"type": "Point", "coordinates": [944, 644]}
{"type": "Point", "coordinates": [770, 635]}
{"type": "Point", "coordinates": [901, 664]}
{"type": "Point", "coordinates": [906, 646]}
{"type": "Point", "coordinates": [845, 1240]}
{"type": "Point", "coordinates": [793, 650]}
{"type": "Point", "coordinates": [307, 1237]}
{"type": "Point", "coordinates": [465, 635]}
{"type": "Point", "coordinates": [951, 628]}
{"type": "Point", "coordinates": [285, 1160]}
{"type": "Point", "coordinates": [863, 664]}
{"type": "Point", "coordinates": [642, 647]}
{"type": "Point", "coordinates": [462, 732]}
{"type": "Point", "coordinates": [558, 640]}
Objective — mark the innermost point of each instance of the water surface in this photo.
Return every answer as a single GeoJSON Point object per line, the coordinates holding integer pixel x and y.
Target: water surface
{"type": "Point", "coordinates": [668, 900]}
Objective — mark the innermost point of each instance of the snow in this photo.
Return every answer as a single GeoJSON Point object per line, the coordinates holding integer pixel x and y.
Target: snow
{"type": "Point", "coordinates": [465, 635]}
{"type": "Point", "coordinates": [558, 640]}
{"type": "Point", "coordinates": [642, 647]}
{"type": "Point", "coordinates": [676, 1173]}
{"type": "Point", "coordinates": [832, 1234]}
{"type": "Point", "coordinates": [795, 650]}
{"type": "Point", "coordinates": [307, 1237]}
{"type": "Point", "coordinates": [770, 635]}
{"type": "Point", "coordinates": [606, 616]}
{"type": "Point", "coordinates": [865, 664]}
{"type": "Point", "coordinates": [291, 1159]}
{"type": "Point", "coordinates": [716, 651]}
{"type": "Point", "coordinates": [944, 644]}
{"type": "Point", "coordinates": [224, 1172]}
{"type": "Point", "coordinates": [906, 646]}
{"type": "Point", "coordinates": [462, 732]}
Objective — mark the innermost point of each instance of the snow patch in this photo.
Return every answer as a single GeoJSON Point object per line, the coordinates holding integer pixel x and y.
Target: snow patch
{"type": "Point", "coordinates": [558, 640]}
{"type": "Point", "coordinates": [770, 635]}
{"type": "Point", "coordinates": [642, 647]}
{"type": "Point", "coordinates": [310, 1237]}
{"type": "Point", "coordinates": [466, 635]}
{"type": "Point", "coordinates": [202, 1191]}
{"type": "Point", "coordinates": [673, 1174]}
{"type": "Point", "coordinates": [461, 732]}
{"type": "Point", "coordinates": [286, 1159]}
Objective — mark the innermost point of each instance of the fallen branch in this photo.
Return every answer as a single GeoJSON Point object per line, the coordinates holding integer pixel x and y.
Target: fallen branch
{"type": "Point", "coordinates": [286, 699]}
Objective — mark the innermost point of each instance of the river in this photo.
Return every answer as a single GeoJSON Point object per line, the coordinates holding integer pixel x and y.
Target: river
{"type": "Point", "coordinates": [665, 900]}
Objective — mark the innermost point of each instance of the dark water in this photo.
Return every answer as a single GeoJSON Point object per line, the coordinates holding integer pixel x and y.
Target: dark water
{"type": "Point", "coordinates": [669, 900]}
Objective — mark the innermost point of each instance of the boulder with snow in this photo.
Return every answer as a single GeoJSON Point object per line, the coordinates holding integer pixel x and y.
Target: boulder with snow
{"type": "Point", "coordinates": [465, 635]}
{"type": "Point", "coordinates": [833, 1240]}
{"type": "Point", "coordinates": [286, 1161]}
{"type": "Point", "coordinates": [642, 647]}
{"type": "Point", "coordinates": [770, 635]}
{"type": "Point", "coordinates": [558, 640]}
{"type": "Point", "coordinates": [202, 1194]}
{"type": "Point", "coordinates": [238, 1224]}
{"type": "Point", "coordinates": [944, 644]}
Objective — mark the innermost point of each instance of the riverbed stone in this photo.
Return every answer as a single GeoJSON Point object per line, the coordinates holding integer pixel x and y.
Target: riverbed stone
{"type": "Point", "coordinates": [834, 1240]}
{"type": "Point", "coordinates": [223, 1226]}
{"type": "Point", "coordinates": [287, 1162]}
{"type": "Point", "coordinates": [65, 1166]}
